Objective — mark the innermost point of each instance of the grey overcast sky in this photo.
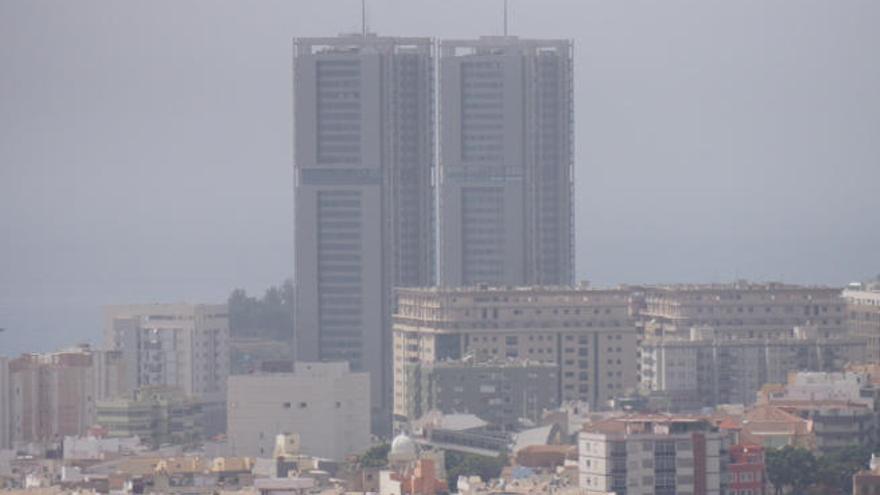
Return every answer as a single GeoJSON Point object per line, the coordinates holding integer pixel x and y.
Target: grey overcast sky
{"type": "Point", "coordinates": [145, 146]}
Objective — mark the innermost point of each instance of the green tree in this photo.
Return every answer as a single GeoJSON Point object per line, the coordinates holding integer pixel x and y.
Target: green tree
{"type": "Point", "coordinates": [461, 464]}
{"type": "Point", "coordinates": [375, 457]}
{"type": "Point", "coordinates": [791, 467]}
{"type": "Point", "coordinates": [834, 471]}
{"type": "Point", "coordinates": [270, 317]}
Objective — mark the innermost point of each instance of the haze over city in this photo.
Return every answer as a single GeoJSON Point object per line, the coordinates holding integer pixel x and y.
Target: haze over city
{"type": "Point", "coordinates": [146, 147]}
{"type": "Point", "coordinates": [424, 247]}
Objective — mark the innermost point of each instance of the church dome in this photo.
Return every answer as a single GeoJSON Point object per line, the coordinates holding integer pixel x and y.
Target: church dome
{"type": "Point", "coordinates": [403, 448]}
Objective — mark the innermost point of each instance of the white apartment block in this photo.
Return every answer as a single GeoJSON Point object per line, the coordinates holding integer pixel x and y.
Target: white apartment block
{"type": "Point", "coordinates": [179, 345]}
{"type": "Point", "coordinates": [651, 455]}
{"type": "Point", "coordinates": [327, 405]}
{"type": "Point", "coordinates": [589, 334]}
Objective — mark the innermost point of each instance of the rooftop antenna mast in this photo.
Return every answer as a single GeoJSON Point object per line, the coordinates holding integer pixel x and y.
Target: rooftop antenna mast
{"type": "Point", "coordinates": [364, 18]}
{"type": "Point", "coordinates": [505, 18]}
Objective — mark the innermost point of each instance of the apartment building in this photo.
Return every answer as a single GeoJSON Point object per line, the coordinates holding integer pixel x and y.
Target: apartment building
{"type": "Point", "coordinates": [708, 369]}
{"type": "Point", "coordinates": [500, 391]}
{"type": "Point", "coordinates": [364, 194]}
{"type": "Point", "coordinates": [746, 470]}
{"type": "Point", "coordinates": [651, 455]}
{"type": "Point", "coordinates": [176, 345]}
{"type": "Point", "coordinates": [326, 404]}
{"type": "Point", "coordinates": [506, 162]}
{"type": "Point", "coordinates": [743, 310]}
{"type": "Point", "coordinates": [5, 407]}
{"type": "Point", "coordinates": [863, 317]}
{"type": "Point", "coordinates": [841, 407]}
{"type": "Point", "coordinates": [588, 333]}
{"type": "Point", "coordinates": [53, 395]}
{"type": "Point", "coordinates": [157, 414]}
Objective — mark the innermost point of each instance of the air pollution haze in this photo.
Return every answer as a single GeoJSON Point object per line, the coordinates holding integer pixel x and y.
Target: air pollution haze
{"type": "Point", "coordinates": [146, 147]}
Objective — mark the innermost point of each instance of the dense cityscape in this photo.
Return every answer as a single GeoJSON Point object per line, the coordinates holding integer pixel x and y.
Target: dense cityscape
{"type": "Point", "coordinates": [434, 338]}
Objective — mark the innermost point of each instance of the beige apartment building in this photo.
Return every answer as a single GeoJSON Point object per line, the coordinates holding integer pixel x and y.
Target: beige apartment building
{"type": "Point", "coordinates": [53, 395]}
{"type": "Point", "coordinates": [863, 317]}
{"type": "Point", "coordinates": [651, 455]}
{"type": "Point", "coordinates": [743, 309]}
{"type": "Point", "coordinates": [589, 334]}
{"type": "Point", "coordinates": [178, 345]}
{"type": "Point", "coordinates": [5, 397]}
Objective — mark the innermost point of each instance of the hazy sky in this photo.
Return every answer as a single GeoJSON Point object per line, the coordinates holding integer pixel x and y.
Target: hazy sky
{"type": "Point", "coordinates": [145, 146]}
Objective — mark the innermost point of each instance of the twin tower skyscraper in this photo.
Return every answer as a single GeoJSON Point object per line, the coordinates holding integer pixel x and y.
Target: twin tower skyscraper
{"type": "Point", "coordinates": [417, 164]}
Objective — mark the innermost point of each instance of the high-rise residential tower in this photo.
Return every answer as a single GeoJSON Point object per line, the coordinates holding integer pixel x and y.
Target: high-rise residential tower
{"type": "Point", "coordinates": [363, 158]}
{"type": "Point", "coordinates": [506, 162]}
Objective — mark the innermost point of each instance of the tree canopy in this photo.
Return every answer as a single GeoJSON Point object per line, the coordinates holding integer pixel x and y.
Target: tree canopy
{"type": "Point", "coordinates": [375, 457]}
{"type": "Point", "coordinates": [270, 317]}
{"type": "Point", "coordinates": [802, 472]}
{"type": "Point", "coordinates": [461, 464]}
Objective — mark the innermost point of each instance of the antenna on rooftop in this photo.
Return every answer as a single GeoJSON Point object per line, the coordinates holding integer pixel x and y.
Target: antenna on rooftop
{"type": "Point", "coordinates": [364, 18]}
{"type": "Point", "coordinates": [505, 18]}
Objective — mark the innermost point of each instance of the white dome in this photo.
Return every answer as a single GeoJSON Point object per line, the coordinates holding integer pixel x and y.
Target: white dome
{"type": "Point", "coordinates": [403, 447]}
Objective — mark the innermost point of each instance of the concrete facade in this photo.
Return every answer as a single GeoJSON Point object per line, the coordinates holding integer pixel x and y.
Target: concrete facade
{"type": "Point", "coordinates": [53, 395]}
{"type": "Point", "coordinates": [5, 406]}
{"type": "Point", "coordinates": [158, 415]}
{"type": "Point", "coordinates": [744, 309]}
{"type": "Point", "coordinates": [589, 334]}
{"type": "Point", "coordinates": [176, 345]}
{"type": "Point", "coordinates": [363, 159]}
{"type": "Point", "coordinates": [652, 455]}
{"type": "Point", "coordinates": [506, 162]}
{"type": "Point", "coordinates": [500, 392]}
{"type": "Point", "coordinates": [707, 370]}
{"type": "Point", "coordinates": [324, 403]}
{"type": "Point", "coordinates": [863, 318]}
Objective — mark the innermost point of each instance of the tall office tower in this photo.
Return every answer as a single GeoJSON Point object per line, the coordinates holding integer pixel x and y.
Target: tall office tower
{"type": "Point", "coordinates": [364, 197]}
{"type": "Point", "coordinates": [506, 162]}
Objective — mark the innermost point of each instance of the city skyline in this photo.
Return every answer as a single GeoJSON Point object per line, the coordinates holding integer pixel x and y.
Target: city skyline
{"type": "Point", "coordinates": [633, 66]}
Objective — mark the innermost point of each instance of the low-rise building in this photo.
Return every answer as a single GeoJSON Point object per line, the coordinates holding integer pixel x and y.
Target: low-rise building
{"type": "Point", "coordinates": [500, 391]}
{"type": "Point", "coordinates": [327, 405]}
{"type": "Point", "coordinates": [651, 455]}
{"type": "Point", "coordinates": [867, 481]}
{"type": "Point", "coordinates": [841, 407]}
{"type": "Point", "coordinates": [768, 426]}
{"type": "Point", "coordinates": [746, 470]}
{"type": "Point", "coordinates": [158, 415]}
{"type": "Point", "coordinates": [91, 448]}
